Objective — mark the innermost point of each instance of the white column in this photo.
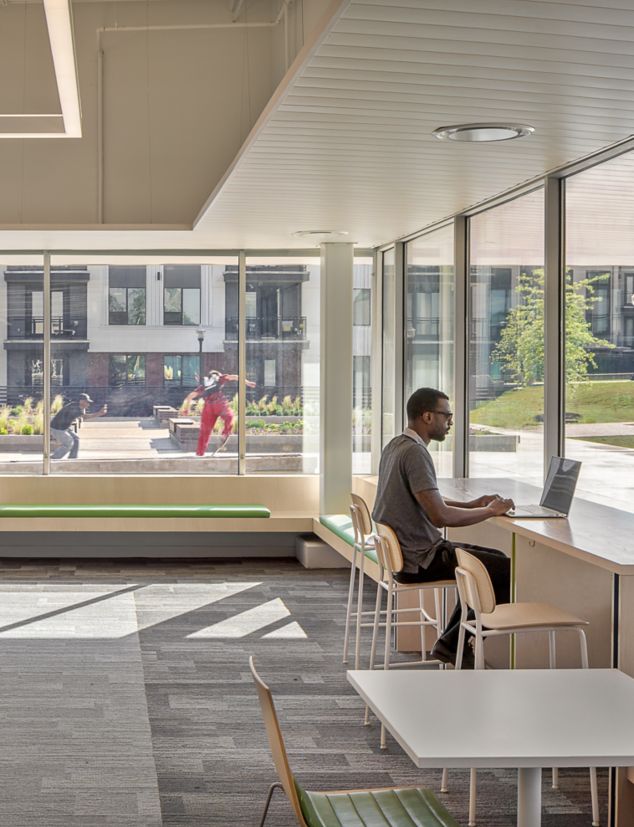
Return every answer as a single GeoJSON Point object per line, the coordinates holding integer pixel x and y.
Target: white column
{"type": "Point", "coordinates": [336, 377]}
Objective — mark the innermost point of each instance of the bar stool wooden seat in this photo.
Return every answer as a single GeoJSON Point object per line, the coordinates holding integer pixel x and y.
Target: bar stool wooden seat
{"type": "Point", "coordinates": [475, 592]}
{"type": "Point", "coordinates": [363, 549]}
{"type": "Point", "coordinates": [390, 558]}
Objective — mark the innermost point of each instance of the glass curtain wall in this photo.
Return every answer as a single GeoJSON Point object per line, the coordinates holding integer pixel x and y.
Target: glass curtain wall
{"type": "Point", "coordinates": [429, 324]}
{"type": "Point", "coordinates": [388, 424]}
{"type": "Point", "coordinates": [506, 340]}
{"type": "Point", "coordinates": [22, 361]}
{"type": "Point", "coordinates": [362, 365]}
{"type": "Point", "coordinates": [599, 329]}
{"type": "Point", "coordinates": [282, 361]}
{"type": "Point", "coordinates": [137, 337]}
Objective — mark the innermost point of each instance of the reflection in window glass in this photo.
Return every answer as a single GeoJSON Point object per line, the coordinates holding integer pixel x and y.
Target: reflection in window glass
{"type": "Point", "coordinates": [22, 363]}
{"type": "Point", "coordinates": [362, 366]}
{"type": "Point", "coordinates": [599, 351]}
{"type": "Point", "coordinates": [146, 371]}
{"type": "Point", "coordinates": [506, 340]}
{"type": "Point", "coordinates": [429, 344]}
{"type": "Point", "coordinates": [388, 428]}
{"type": "Point", "coordinates": [126, 296]}
{"type": "Point", "coordinates": [282, 416]}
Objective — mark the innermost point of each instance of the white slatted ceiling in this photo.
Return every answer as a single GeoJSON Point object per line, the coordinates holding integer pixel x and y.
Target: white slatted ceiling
{"type": "Point", "coordinates": [350, 144]}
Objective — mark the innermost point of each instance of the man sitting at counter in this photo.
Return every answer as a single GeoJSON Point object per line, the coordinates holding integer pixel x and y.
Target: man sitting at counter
{"type": "Point", "coordinates": [408, 500]}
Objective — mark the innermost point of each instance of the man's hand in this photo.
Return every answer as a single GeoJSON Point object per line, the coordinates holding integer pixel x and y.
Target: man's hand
{"type": "Point", "coordinates": [498, 506]}
{"type": "Point", "coordinates": [103, 411]}
{"type": "Point", "coordinates": [484, 500]}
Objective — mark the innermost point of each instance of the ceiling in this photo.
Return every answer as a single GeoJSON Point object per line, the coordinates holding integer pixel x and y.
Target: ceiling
{"type": "Point", "coordinates": [349, 145]}
{"type": "Point", "coordinates": [345, 143]}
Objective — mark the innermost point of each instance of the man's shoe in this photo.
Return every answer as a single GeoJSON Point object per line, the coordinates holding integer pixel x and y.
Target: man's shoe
{"type": "Point", "coordinates": [444, 654]}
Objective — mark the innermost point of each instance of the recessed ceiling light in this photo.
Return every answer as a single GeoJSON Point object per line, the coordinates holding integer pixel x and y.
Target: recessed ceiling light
{"type": "Point", "coordinates": [475, 132]}
{"type": "Point", "coordinates": [319, 233]}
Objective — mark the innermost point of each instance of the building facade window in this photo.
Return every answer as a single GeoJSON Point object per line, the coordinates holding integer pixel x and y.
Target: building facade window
{"type": "Point", "coordinates": [181, 370]}
{"type": "Point", "coordinates": [126, 295]}
{"type": "Point", "coordinates": [127, 369]}
{"type": "Point", "coordinates": [181, 295]}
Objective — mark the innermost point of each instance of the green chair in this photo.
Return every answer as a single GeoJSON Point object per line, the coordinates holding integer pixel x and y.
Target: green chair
{"type": "Point", "coordinates": [384, 807]}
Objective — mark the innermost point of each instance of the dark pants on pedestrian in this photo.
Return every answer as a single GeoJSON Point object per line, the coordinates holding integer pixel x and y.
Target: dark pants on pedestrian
{"type": "Point", "coordinates": [443, 566]}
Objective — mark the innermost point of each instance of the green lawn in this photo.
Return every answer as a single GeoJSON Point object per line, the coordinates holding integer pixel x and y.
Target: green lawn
{"type": "Point", "coordinates": [593, 401]}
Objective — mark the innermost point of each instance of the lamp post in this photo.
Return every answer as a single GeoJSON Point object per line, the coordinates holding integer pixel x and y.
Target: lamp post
{"type": "Point", "coordinates": [200, 335]}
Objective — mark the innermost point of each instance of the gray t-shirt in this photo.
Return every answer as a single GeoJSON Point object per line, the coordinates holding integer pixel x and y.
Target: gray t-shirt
{"type": "Point", "coordinates": [406, 468]}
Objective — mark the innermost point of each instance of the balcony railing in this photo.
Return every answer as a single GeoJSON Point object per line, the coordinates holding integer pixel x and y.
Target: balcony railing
{"type": "Point", "coordinates": [32, 327]}
{"type": "Point", "coordinates": [260, 328]}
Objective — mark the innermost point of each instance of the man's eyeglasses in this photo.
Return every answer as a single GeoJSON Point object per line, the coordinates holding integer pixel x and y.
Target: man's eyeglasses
{"type": "Point", "coordinates": [448, 414]}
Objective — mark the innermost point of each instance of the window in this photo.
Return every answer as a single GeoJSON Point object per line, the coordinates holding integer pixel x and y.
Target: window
{"type": "Point", "coordinates": [598, 301]}
{"type": "Point", "coordinates": [362, 365]}
{"type": "Point", "coordinates": [388, 425]}
{"type": "Point", "coordinates": [599, 330]}
{"type": "Point", "coordinates": [270, 373]}
{"type": "Point", "coordinates": [126, 296]}
{"type": "Point", "coordinates": [429, 325]}
{"type": "Point", "coordinates": [282, 359]}
{"type": "Point", "coordinates": [179, 371]}
{"type": "Point", "coordinates": [181, 296]}
{"type": "Point", "coordinates": [506, 340]}
{"type": "Point", "coordinates": [361, 306]}
{"type": "Point", "coordinates": [127, 369]}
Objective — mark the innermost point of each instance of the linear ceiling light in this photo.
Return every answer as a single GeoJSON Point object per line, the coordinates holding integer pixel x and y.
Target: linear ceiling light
{"type": "Point", "coordinates": [60, 32]}
{"type": "Point", "coordinates": [482, 132]}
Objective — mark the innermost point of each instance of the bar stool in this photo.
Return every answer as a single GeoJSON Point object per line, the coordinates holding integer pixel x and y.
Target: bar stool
{"type": "Point", "coordinates": [475, 591]}
{"type": "Point", "coordinates": [362, 548]}
{"type": "Point", "coordinates": [390, 557]}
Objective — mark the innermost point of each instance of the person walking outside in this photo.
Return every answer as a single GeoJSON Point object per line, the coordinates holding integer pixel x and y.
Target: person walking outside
{"type": "Point", "coordinates": [216, 406]}
{"type": "Point", "coordinates": [61, 425]}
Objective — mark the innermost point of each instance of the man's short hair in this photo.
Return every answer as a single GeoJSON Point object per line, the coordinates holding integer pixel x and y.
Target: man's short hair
{"type": "Point", "coordinates": [424, 399]}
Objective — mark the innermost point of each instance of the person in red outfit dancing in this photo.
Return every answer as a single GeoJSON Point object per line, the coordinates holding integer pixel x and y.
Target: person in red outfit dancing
{"type": "Point", "coordinates": [216, 406]}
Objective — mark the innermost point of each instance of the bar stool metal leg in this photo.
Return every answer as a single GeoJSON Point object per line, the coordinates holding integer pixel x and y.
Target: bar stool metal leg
{"type": "Point", "coordinates": [353, 572]}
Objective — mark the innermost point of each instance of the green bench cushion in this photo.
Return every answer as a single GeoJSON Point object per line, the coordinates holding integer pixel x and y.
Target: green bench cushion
{"type": "Point", "coordinates": [341, 525]}
{"type": "Point", "coordinates": [402, 807]}
{"type": "Point", "coordinates": [130, 510]}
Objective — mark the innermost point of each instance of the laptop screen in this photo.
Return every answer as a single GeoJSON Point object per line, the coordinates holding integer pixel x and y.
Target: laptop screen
{"type": "Point", "coordinates": [560, 484]}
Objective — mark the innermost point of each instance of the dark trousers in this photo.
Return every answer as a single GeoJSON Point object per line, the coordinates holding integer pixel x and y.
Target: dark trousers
{"type": "Point", "coordinates": [443, 566]}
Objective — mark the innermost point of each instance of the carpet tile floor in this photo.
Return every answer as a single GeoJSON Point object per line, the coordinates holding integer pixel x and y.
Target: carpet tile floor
{"type": "Point", "coordinates": [127, 700]}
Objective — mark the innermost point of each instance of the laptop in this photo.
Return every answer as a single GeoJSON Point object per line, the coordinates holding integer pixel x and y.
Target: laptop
{"type": "Point", "coordinates": [558, 492]}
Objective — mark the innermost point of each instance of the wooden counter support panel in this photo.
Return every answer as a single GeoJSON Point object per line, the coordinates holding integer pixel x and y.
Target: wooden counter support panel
{"type": "Point", "coordinates": [545, 576]}
{"type": "Point", "coordinates": [625, 777]}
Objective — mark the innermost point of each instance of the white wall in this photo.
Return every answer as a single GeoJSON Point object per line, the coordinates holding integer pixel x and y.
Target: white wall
{"type": "Point", "coordinates": [176, 107]}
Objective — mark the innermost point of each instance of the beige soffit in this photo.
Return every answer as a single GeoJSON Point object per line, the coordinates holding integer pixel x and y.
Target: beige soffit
{"type": "Point", "coordinates": [56, 125]}
{"type": "Point", "coordinates": [346, 142]}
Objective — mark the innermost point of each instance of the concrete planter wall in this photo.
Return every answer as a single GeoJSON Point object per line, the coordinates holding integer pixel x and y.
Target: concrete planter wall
{"type": "Point", "coordinates": [185, 434]}
{"type": "Point", "coordinates": [22, 443]}
{"type": "Point", "coordinates": [499, 443]}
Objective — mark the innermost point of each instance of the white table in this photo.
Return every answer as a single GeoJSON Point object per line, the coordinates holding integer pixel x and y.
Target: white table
{"type": "Point", "coordinates": [527, 719]}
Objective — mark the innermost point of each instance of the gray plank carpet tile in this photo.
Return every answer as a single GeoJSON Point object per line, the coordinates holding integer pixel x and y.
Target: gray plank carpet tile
{"type": "Point", "coordinates": [126, 684]}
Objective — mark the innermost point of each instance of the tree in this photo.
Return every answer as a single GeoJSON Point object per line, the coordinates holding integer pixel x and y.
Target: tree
{"type": "Point", "coordinates": [520, 350]}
